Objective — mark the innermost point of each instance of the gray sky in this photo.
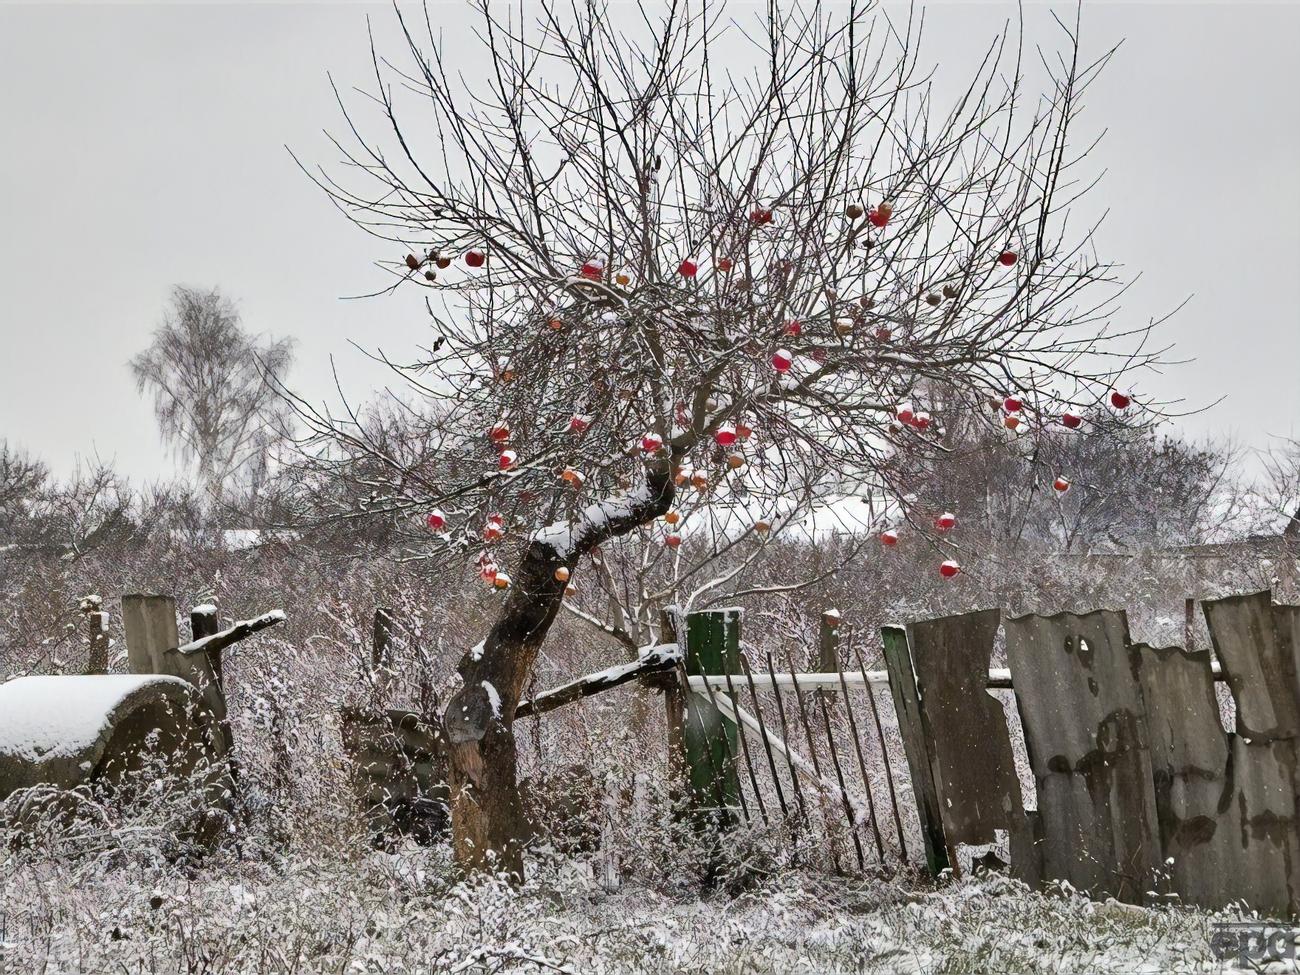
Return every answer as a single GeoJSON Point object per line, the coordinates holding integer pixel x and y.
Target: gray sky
{"type": "Point", "coordinates": [144, 146]}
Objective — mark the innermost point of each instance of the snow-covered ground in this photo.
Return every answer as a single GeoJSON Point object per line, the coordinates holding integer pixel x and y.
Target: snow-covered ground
{"type": "Point", "coordinates": [398, 913]}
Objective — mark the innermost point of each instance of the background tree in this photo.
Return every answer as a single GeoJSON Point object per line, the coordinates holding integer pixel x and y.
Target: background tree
{"type": "Point", "coordinates": [660, 275]}
{"type": "Point", "coordinates": [212, 386]}
{"type": "Point", "coordinates": [1278, 493]}
{"type": "Point", "coordinates": [1114, 487]}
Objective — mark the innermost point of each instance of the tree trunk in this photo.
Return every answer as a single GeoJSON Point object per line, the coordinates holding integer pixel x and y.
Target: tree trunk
{"type": "Point", "coordinates": [488, 824]}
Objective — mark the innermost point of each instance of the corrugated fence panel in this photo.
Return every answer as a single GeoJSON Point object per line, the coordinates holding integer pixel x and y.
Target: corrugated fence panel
{"type": "Point", "coordinates": [1085, 728]}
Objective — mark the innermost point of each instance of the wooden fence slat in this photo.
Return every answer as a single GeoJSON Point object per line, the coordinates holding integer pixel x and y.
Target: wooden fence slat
{"type": "Point", "coordinates": [973, 766]}
{"type": "Point", "coordinates": [907, 705]}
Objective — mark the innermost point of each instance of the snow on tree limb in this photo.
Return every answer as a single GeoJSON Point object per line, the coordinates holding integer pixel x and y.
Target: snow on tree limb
{"type": "Point", "coordinates": [232, 634]}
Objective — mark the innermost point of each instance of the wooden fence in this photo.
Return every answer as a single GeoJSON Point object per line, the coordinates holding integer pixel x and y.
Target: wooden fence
{"type": "Point", "coordinates": [1088, 759]}
{"type": "Point", "coordinates": [1135, 791]}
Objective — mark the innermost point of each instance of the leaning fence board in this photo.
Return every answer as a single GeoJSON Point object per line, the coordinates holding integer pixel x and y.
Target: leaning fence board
{"type": "Point", "coordinates": [1257, 645]}
{"type": "Point", "coordinates": [857, 812]}
{"type": "Point", "coordinates": [1085, 731]}
{"type": "Point", "coordinates": [907, 705]}
{"type": "Point", "coordinates": [970, 749]}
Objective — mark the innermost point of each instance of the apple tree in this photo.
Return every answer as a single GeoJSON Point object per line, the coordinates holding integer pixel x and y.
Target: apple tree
{"type": "Point", "coordinates": [681, 267]}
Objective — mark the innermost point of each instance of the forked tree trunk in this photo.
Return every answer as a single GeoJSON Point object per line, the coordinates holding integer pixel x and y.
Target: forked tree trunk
{"type": "Point", "coordinates": [488, 823]}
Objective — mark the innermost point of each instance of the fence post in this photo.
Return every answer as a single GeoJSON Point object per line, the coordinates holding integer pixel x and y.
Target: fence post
{"type": "Point", "coordinates": [151, 642]}
{"type": "Point", "coordinates": [204, 622]}
{"type": "Point", "coordinates": [828, 649]}
{"type": "Point", "coordinates": [907, 705]}
{"type": "Point", "coordinates": [709, 739]}
{"type": "Point", "coordinates": [97, 631]}
{"type": "Point", "coordinates": [381, 658]}
{"type": "Point", "coordinates": [381, 653]}
{"type": "Point", "coordinates": [675, 694]}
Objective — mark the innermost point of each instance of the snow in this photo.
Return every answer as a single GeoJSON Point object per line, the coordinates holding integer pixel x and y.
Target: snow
{"type": "Point", "coordinates": [238, 539]}
{"type": "Point", "coordinates": [564, 537]}
{"type": "Point", "coordinates": [494, 698]}
{"type": "Point", "coordinates": [242, 539]}
{"type": "Point", "coordinates": [657, 652]}
{"type": "Point", "coordinates": [477, 652]}
{"type": "Point", "coordinates": [387, 913]}
{"type": "Point", "coordinates": [49, 717]}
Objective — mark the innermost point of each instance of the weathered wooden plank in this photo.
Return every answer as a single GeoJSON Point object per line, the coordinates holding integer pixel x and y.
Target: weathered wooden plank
{"type": "Point", "coordinates": [1263, 823]}
{"type": "Point", "coordinates": [998, 678]}
{"type": "Point", "coordinates": [1085, 730]}
{"type": "Point", "coordinates": [907, 706]}
{"type": "Point", "coordinates": [1189, 763]}
{"type": "Point", "coordinates": [1256, 642]}
{"type": "Point", "coordinates": [212, 644]}
{"type": "Point", "coordinates": [972, 763]}
{"type": "Point", "coordinates": [1227, 802]}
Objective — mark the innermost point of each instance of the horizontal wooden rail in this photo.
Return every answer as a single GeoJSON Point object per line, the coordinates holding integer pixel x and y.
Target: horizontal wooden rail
{"type": "Point", "coordinates": [666, 657]}
{"type": "Point", "coordinates": [999, 679]}
{"type": "Point", "coordinates": [231, 635]}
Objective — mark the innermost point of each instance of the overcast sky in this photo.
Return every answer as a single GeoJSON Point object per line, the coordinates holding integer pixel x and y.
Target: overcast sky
{"type": "Point", "coordinates": [144, 145]}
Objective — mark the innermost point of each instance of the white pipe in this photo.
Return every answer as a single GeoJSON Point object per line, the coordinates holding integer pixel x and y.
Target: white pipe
{"type": "Point", "coordinates": [767, 682]}
{"type": "Point", "coordinates": [999, 676]}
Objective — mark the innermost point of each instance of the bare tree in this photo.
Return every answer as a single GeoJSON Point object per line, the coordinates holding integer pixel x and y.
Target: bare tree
{"type": "Point", "coordinates": [659, 276]}
{"type": "Point", "coordinates": [213, 386]}
{"type": "Point", "coordinates": [1114, 487]}
{"type": "Point", "coordinates": [21, 479]}
{"type": "Point", "coordinates": [1279, 491]}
